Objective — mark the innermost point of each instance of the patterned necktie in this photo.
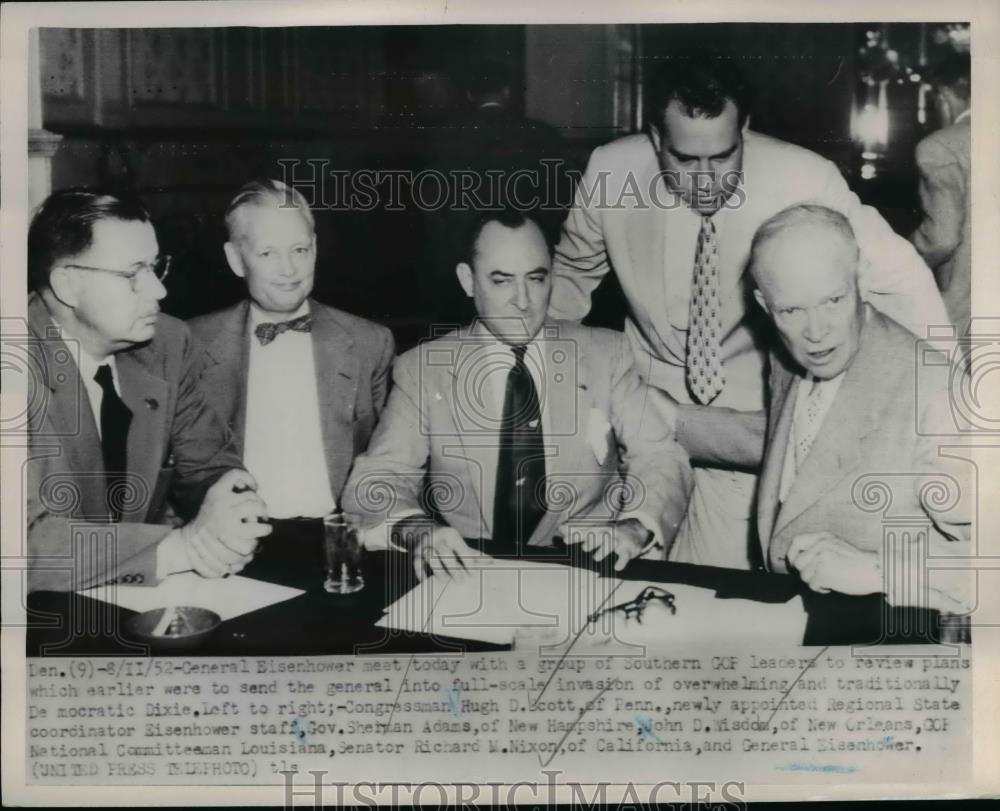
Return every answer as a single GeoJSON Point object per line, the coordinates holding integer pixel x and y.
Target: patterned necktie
{"type": "Point", "coordinates": [115, 420]}
{"type": "Point", "coordinates": [269, 330]}
{"type": "Point", "coordinates": [704, 351]}
{"type": "Point", "coordinates": [519, 502]}
{"type": "Point", "coordinates": [807, 422]}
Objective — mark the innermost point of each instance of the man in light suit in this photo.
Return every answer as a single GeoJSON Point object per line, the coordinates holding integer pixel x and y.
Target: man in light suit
{"type": "Point", "coordinates": [944, 237]}
{"type": "Point", "coordinates": [673, 211]}
{"type": "Point", "coordinates": [854, 424]}
{"type": "Point", "coordinates": [300, 384]}
{"type": "Point", "coordinates": [122, 422]}
{"type": "Point", "coordinates": [521, 426]}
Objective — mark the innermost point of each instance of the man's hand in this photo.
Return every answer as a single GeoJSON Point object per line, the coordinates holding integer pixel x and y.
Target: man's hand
{"type": "Point", "coordinates": [826, 563]}
{"type": "Point", "coordinates": [626, 539]}
{"type": "Point", "coordinates": [232, 514]}
{"type": "Point", "coordinates": [441, 550]}
{"type": "Point", "coordinates": [185, 549]}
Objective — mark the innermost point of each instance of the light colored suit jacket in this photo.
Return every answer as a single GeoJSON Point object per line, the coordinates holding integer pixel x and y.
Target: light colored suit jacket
{"type": "Point", "coordinates": [944, 237]}
{"type": "Point", "coordinates": [875, 471]}
{"type": "Point", "coordinates": [176, 446]}
{"type": "Point", "coordinates": [352, 357]}
{"type": "Point", "coordinates": [438, 427]}
{"type": "Point", "coordinates": [626, 230]}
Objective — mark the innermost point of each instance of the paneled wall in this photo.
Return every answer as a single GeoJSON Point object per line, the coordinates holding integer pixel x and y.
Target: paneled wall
{"type": "Point", "coordinates": [211, 77]}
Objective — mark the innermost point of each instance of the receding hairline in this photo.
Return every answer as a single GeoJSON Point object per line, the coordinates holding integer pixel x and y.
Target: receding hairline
{"type": "Point", "coordinates": [264, 194]}
{"type": "Point", "coordinates": [798, 218]}
{"type": "Point", "coordinates": [521, 226]}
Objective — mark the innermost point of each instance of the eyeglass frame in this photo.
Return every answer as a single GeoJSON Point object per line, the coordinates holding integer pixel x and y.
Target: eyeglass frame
{"type": "Point", "coordinates": [131, 275]}
{"type": "Point", "coordinates": [637, 605]}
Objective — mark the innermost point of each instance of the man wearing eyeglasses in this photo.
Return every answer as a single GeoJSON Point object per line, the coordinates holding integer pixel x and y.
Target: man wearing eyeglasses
{"type": "Point", "coordinates": [121, 422]}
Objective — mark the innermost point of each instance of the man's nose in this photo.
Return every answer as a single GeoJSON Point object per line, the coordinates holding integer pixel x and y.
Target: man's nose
{"type": "Point", "coordinates": [816, 326]}
{"type": "Point", "coordinates": [521, 296]}
{"type": "Point", "coordinates": [151, 286]}
{"type": "Point", "coordinates": [286, 267]}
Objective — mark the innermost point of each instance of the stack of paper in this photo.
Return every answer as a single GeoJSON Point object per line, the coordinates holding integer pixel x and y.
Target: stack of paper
{"type": "Point", "coordinates": [228, 597]}
{"type": "Point", "coordinates": [551, 604]}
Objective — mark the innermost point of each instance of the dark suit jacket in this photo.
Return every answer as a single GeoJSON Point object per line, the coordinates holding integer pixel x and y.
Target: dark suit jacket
{"type": "Point", "coordinates": [176, 446]}
{"type": "Point", "coordinates": [353, 357]}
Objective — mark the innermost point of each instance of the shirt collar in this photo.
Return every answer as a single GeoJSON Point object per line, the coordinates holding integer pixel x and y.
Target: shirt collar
{"type": "Point", "coordinates": [259, 316]}
{"type": "Point", "coordinates": [89, 365]}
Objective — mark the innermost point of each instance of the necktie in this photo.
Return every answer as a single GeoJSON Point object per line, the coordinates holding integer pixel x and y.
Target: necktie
{"type": "Point", "coordinates": [115, 420]}
{"type": "Point", "coordinates": [704, 351]}
{"type": "Point", "coordinates": [519, 502]}
{"type": "Point", "coordinates": [807, 423]}
{"type": "Point", "coordinates": [269, 330]}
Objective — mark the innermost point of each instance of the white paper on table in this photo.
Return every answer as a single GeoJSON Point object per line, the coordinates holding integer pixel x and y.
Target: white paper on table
{"type": "Point", "coordinates": [702, 616]}
{"type": "Point", "coordinates": [494, 602]}
{"type": "Point", "coordinates": [228, 597]}
{"type": "Point", "coordinates": [497, 598]}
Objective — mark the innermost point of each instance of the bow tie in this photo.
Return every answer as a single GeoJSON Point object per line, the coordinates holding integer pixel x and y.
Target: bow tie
{"type": "Point", "coordinates": [269, 330]}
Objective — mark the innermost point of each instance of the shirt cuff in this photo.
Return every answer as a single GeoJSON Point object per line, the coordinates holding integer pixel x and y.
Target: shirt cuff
{"type": "Point", "coordinates": [654, 542]}
{"type": "Point", "coordinates": [379, 537]}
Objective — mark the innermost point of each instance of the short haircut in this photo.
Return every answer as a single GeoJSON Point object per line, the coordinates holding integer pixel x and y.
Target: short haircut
{"type": "Point", "coordinates": [509, 218]}
{"type": "Point", "coordinates": [804, 214]}
{"type": "Point", "coordinates": [63, 226]}
{"type": "Point", "coordinates": [264, 192]}
{"type": "Point", "coordinates": [701, 84]}
{"type": "Point", "coordinates": [954, 71]}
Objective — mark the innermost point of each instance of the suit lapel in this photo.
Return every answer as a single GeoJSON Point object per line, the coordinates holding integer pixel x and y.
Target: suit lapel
{"type": "Point", "coordinates": [146, 395]}
{"type": "Point", "coordinates": [227, 360]}
{"type": "Point", "coordinates": [837, 447]}
{"type": "Point", "coordinates": [337, 373]}
{"type": "Point", "coordinates": [476, 415]}
{"type": "Point", "coordinates": [645, 234]}
{"type": "Point", "coordinates": [780, 429]}
{"type": "Point", "coordinates": [67, 411]}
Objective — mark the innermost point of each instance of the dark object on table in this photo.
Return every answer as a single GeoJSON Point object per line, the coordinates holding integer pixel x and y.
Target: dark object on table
{"type": "Point", "coordinates": [190, 628]}
{"type": "Point", "coordinates": [636, 606]}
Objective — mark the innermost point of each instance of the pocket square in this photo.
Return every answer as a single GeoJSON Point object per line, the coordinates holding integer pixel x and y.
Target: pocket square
{"type": "Point", "coordinates": [598, 429]}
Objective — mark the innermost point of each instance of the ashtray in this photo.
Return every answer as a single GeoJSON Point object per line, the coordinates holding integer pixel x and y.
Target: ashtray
{"type": "Point", "coordinates": [189, 627]}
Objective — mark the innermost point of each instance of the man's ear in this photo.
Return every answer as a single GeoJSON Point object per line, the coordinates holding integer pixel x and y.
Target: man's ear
{"type": "Point", "coordinates": [760, 300]}
{"type": "Point", "coordinates": [64, 286]}
{"type": "Point", "coordinates": [464, 273]}
{"type": "Point", "coordinates": [654, 136]}
{"type": "Point", "coordinates": [234, 259]}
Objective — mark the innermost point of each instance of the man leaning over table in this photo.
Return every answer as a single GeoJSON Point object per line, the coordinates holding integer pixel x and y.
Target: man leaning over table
{"type": "Point", "coordinates": [524, 427]}
{"type": "Point", "coordinates": [122, 422]}
{"type": "Point", "coordinates": [673, 211]}
{"type": "Point", "coordinates": [300, 384]}
{"type": "Point", "coordinates": [855, 412]}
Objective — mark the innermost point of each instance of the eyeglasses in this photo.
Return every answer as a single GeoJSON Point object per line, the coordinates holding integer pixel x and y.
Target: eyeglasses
{"type": "Point", "coordinates": [159, 268]}
{"type": "Point", "coordinates": [636, 607]}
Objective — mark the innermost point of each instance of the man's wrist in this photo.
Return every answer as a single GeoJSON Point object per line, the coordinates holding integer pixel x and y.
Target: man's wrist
{"type": "Point", "coordinates": [171, 553]}
{"type": "Point", "coordinates": [642, 535]}
{"type": "Point", "coordinates": [406, 533]}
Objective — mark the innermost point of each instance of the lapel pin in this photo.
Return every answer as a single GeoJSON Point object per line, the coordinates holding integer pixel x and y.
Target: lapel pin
{"type": "Point", "coordinates": [152, 403]}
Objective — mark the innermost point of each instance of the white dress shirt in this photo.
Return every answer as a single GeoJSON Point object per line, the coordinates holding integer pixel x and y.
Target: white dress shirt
{"type": "Point", "coordinates": [826, 394]}
{"type": "Point", "coordinates": [95, 394]}
{"type": "Point", "coordinates": [283, 442]}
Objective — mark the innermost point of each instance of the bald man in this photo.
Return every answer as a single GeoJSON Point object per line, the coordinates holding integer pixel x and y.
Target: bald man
{"type": "Point", "coordinates": [852, 405]}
